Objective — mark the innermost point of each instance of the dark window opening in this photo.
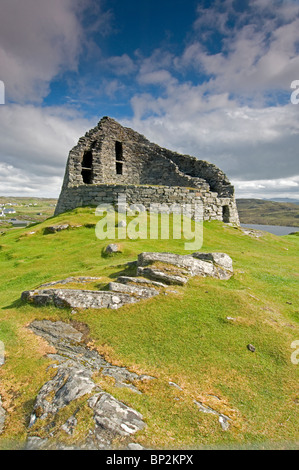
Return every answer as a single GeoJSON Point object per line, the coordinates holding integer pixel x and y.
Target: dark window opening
{"type": "Point", "coordinates": [87, 167]}
{"type": "Point", "coordinates": [87, 159]}
{"type": "Point", "coordinates": [119, 168]}
{"type": "Point", "coordinates": [87, 176]}
{"type": "Point", "coordinates": [119, 151]}
{"type": "Point", "coordinates": [225, 214]}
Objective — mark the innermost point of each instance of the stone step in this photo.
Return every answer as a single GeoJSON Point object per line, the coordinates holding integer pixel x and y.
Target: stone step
{"type": "Point", "coordinates": [158, 275]}
{"type": "Point", "coordinates": [144, 292]}
{"type": "Point", "coordinates": [139, 280]}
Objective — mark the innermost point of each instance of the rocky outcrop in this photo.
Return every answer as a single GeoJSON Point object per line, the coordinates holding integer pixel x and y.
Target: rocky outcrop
{"type": "Point", "coordinates": [2, 416]}
{"type": "Point", "coordinates": [76, 298]}
{"type": "Point", "coordinates": [56, 228]}
{"type": "Point", "coordinates": [224, 420]}
{"type": "Point", "coordinates": [217, 265]}
{"type": "Point", "coordinates": [143, 292]}
{"type": "Point", "coordinates": [73, 380]}
{"type": "Point", "coordinates": [155, 271]}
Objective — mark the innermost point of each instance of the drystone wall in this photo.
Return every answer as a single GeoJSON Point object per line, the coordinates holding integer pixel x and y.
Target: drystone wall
{"type": "Point", "coordinates": [94, 195]}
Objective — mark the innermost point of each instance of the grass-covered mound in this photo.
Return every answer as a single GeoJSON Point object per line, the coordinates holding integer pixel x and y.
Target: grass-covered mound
{"type": "Point", "coordinates": [196, 337]}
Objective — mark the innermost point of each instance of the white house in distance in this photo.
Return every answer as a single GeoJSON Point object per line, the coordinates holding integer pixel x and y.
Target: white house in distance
{"type": "Point", "coordinates": [9, 211]}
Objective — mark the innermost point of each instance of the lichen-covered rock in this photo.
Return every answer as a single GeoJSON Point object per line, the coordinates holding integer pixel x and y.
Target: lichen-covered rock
{"type": "Point", "coordinates": [219, 259]}
{"type": "Point", "coordinates": [74, 379]}
{"type": "Point", "coordinates": [56, 228]}
{"type": "Point", "coordinates": [139, 280]}
{"type": "Point", "coordinates": [143, 292]}
{"type": "Point", "coordinates": [113, 418]}
{"type": "Point", "coordinates": [159, 275]}
{"type": "Point", "coordinates": [2, 417]}
{"type": "Point", "coordinates": [218, 265]}
{"type": "Point", "coordinates": [69, 384]}
{"type": "Point", "coordinates": [223, 419]}
{"type": "Point", "coordinates": [76, 298]}
{"type": "Point", "coordinates": [112, 248]}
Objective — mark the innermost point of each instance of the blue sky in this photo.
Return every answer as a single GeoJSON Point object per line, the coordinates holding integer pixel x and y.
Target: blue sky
{"type": "Point", "coordinates": [206, 78]}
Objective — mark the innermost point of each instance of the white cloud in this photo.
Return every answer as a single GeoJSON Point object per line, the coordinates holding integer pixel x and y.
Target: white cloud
{"type": "Point", "coordinates": [247, 143]}
{"type": "Point", "coordinates": [40, 40]}
{"type": "Point", "coordinates": [226, 118]}
{"type": "Point", "coordinates": [259, 53]}
{"type": "Point", "coordinates": [34, 147]}
{"type": "Point", "coordinates": [281, 187]}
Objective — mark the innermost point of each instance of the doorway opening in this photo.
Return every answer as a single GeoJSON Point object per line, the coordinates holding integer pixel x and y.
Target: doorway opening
{"type": "Point", "coordinates": [225, 214]}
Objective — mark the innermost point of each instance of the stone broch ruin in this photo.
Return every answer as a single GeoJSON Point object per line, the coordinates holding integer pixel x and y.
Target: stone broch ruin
{"type": "Point", "coordinates": [111, 160]}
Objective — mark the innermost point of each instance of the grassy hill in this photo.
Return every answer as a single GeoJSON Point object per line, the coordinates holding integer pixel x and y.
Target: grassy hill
{"type": "Point", "coordinates": [185, 337]}
{"type": "Point", "coordinates": [31, 209]}
{"type": "Point", "coordinates": [258, 211]}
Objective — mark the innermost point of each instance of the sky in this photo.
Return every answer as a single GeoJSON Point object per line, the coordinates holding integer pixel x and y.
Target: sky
{"type": "Point", "coordinates": [218, 80]}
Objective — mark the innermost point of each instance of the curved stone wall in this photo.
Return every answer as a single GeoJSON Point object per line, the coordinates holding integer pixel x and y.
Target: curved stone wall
{"type": "Point", "coordinates": [93, 195]}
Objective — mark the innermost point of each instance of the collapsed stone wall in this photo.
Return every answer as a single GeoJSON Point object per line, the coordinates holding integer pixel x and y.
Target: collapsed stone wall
{"type": "Point", "coordinates": [111, 155]}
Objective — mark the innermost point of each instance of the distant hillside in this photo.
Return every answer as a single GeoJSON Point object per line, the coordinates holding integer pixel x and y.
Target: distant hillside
{"type": "Point", "coordinates": [259, 211]}
{"type": "Point", "coordinates": [281, 199]}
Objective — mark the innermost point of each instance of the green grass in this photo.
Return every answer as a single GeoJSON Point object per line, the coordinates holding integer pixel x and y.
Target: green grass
{"type": "Point", "coordinates": [184, 337]}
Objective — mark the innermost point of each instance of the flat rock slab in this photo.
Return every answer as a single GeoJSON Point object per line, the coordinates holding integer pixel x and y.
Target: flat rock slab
{"type": "Point", "coordinates": [68, 342]}
{"type": "Point", "coordinates": [218, 265]}
{"type": "Point", "coordinates": [143, 292]}
{"type": "Point", "coordinates": [76, 298]}
{"type": "Point", "coordinates": [139, 280]}
{"type": "Point", "coordinates": [156, 274]}
{"type": "Point", "coordinates": [154, 269]}
{"type": "Point", "coordinates": [113, 418]}
{"type": "Point", "coordinates": [68, 280]}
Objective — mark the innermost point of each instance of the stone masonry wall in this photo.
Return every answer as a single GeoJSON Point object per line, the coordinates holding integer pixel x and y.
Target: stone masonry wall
{"type": "Point", "coordinates": [93, 195]}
